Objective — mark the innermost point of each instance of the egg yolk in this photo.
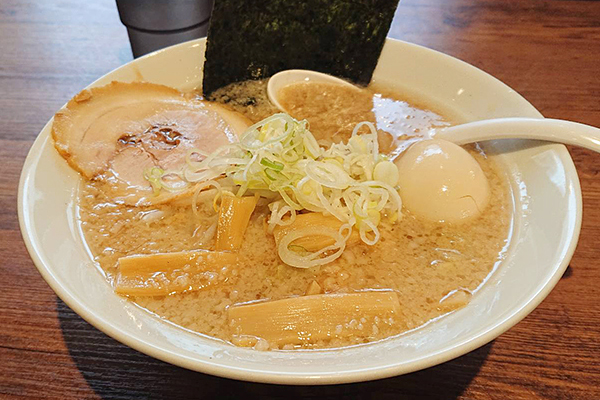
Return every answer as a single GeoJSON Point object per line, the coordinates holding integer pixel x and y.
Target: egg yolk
{"type": "Point", "coordinates": [441, 181]}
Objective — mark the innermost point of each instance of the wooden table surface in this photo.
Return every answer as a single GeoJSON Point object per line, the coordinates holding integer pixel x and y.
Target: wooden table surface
{"type": "Point", "coordinates": [549, 51]}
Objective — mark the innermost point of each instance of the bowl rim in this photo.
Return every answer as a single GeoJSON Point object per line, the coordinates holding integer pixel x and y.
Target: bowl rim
{"type": "Point", "coordinates": [348, 376]}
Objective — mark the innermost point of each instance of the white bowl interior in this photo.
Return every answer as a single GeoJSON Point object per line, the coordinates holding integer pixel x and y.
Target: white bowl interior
{"type": "Point", "coordinates": [547, 221]}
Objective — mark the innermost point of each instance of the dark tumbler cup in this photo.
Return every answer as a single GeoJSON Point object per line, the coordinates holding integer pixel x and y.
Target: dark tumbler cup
{"type": "Point", "coordinates": [154, 24]}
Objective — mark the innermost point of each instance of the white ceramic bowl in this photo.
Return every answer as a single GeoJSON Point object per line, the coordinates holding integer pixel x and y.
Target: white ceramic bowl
{"type": "Point", "coordinates": [547, 202]}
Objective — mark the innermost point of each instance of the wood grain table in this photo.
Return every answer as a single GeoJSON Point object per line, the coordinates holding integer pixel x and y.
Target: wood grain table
{"type": "Point", "coordinates": [549, 51]}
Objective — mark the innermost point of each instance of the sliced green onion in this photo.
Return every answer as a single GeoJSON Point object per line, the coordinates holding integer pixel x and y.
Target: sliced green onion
{"type": "Point", "coordinates": [274, 175]}
{"type": "Point", "coordinates": [153, 176]}
{"type": "Point", "coordinates": [277, 166]}
{"type": "Point", "coordinates": [350, 181]}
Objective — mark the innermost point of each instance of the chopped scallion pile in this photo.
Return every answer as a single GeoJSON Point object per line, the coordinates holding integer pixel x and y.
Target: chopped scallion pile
{"type": "Point", "coordinates": [281, 157]}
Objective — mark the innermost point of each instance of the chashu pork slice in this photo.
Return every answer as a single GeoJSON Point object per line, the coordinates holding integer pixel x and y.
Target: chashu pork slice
{"type": "Point", "coordinates": [116, 132]}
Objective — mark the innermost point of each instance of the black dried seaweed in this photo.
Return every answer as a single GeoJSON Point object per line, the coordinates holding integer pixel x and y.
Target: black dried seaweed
{"type": "Point", "coordinates": [256, 39]}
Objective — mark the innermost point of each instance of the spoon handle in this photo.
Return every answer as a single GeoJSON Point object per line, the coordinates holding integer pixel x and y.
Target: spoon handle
{"type": "Point", "coordinates": [553, 130]}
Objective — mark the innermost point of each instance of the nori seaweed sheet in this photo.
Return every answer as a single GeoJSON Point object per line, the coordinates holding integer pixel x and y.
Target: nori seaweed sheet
{"type": "Point", "coordinates": [253, 39]}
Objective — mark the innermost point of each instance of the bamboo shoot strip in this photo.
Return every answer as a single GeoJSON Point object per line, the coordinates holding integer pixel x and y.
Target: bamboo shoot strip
{"type": "Point", "coordinates": [166, 273]}
{"type": "Point", "coordinates": [234, 216]}
{"type": "Point", "coordinates": [308, 319]}
{"type": "Point", "coordinates": [314, 242]}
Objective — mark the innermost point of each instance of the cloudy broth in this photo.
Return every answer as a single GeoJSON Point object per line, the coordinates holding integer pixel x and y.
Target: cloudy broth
{"type": "Point", "coordinates": [433, 267]}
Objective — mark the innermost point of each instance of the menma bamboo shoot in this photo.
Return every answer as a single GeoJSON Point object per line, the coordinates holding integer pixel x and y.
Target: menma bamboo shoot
{"type": "Point", "coordinates": [234, 215]}
{"type": "Point", "coordinates": [166, 273]}
{"type": "Point", "coordinates": [313, 220]}
{"type": "Point", "coordinates": [306, 320]}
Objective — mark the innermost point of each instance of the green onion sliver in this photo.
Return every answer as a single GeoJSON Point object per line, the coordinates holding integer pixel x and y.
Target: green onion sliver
{"type": "Point", "coordinates": [274, 165]}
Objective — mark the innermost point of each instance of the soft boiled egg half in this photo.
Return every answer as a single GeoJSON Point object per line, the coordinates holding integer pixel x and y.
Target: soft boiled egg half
{"type": "Point", "coordinates": [441, 181]}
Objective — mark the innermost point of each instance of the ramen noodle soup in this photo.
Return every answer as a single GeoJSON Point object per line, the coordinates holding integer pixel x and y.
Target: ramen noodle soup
{"type": "Point", "coordinates": [337, 223]}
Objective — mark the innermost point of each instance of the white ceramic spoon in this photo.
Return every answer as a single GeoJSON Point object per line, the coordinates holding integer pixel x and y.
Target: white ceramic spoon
{"type": "Point", "coordinates": [291, 76]}
{"type": "Point", "coordinates": [553, 130]}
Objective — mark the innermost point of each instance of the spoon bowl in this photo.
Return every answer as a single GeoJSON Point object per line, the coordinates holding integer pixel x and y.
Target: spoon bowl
{"type": "Point", "coordinates": [292, 76]}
